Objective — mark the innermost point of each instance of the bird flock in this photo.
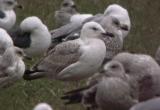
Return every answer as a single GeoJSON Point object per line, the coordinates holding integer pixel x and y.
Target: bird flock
{"type": "Point", "coordinates": [84, 46]}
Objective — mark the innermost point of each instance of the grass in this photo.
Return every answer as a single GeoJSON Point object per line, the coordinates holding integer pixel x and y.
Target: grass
{"type": "Point", "coordinates": [143, 38]}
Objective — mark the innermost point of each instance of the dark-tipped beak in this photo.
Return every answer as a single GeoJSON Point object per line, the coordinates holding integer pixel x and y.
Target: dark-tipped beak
{"type": "Point", "coordinates": [19, 6]}
{"type": "Point", "coordinates": [125, 28]}
{"type": "Point", "coordinates": [108, 34]}
{"type": "Point", "coordinates": [74, 6]}
{"type": "Point", "coordinates": [27, 57]}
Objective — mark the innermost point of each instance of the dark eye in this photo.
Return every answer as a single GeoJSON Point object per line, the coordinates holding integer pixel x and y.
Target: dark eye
{"type": "Point", "coordinates": [65, 4]}
{"type": "Point", "coordinates": [20, 52]}
{"type": "Point", "coordinates": [116, 22]}
{"type": "Point", "coordinates": [114, 66]}
{"type": "Point", "coordinates": [9, 2]}
{"type": "Point", "coordinates": [94, 28]}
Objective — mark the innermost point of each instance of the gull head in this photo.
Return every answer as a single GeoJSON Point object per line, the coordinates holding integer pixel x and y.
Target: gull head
{"type": "Point", "coordinates": [31, 23]}
{"type": "Point", "coordinates": [92, 30]}
{"type": "Point", "coordinates": [114, 8]}
{"type": "Point", "coordinates": [113, 69]}
{"type": "Point", "coordinates": [43, 106]}
{"type": "Point", "coordinates": [112, 26]}
{"type": "Point", "coordinates": [9, 4]}
{"type": "Point", "coordinates": [5, 41]}
{"type": "Point", "coordinates": [68, 6]}
{"type": "Point", "coordinates": [15, 53]}
{"type": "Point", "coordinates": [120, 17]}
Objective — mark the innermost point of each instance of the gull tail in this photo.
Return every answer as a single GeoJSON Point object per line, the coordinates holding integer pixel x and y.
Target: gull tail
{"type": "Point", "coordinates": [74, 96]}
{"type": "Point", "coordinates": [33, 74]}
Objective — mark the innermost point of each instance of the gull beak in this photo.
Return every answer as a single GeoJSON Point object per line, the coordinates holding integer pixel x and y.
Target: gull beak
{"type": "Point", "coordinates": [125, 28]}
{"type": "Point", "coordinates": [74, 6]}
{"type": "Point", "coordinates": [19, 6]}
{"type": "Point", "coordinates": [27, 57]}
{"type": "Point", "coordinates": [108, 34]}
{"type": "Point", "coordinates": [102, 71]}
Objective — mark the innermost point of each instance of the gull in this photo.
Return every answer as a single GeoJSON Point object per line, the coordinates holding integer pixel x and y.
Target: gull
{"type": "Point", "coordinates": [32, 36]}
{"type": "Point", "coordinates": [111, 92]}
{"type": "Point", "coordinates": [152, 104]}
{"type": "Point", "coordinates": [7, 14]}
{"type": "Point", "coordinates": [121, 14]}
{"type": "Point", "coordinates": [113, 44]}
{"type": "Point", "coordinates": [77, 59]}
{"type": "Point", "coordinates": [68, 8]}
{"type": "Point", "coordinates": [12, 66]}
{"type": "Point", "coordinates": [68, 13]}
{"type": "Point", "coordinates": [42, 106]}
{"type": "Point", "coordinates": [157, 55]}
{"type": "Point", "coordinates": [5, 41]}
{"type": "Point", "coordinates": [144, 74]}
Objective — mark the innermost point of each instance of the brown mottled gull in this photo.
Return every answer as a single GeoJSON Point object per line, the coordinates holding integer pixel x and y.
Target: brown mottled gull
{"type": "Point", "coordinates": [76, 59]}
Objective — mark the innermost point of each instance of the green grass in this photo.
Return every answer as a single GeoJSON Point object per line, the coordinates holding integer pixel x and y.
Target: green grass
{"type": "Point", "coordinates": [144, 38]}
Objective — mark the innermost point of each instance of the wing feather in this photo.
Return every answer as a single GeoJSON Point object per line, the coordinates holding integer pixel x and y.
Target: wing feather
{"type": "Point", "coordinates": [60, 57]}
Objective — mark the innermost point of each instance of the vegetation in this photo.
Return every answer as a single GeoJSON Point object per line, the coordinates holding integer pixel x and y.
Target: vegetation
{"type": "Point", "coordinates": [144, 38]}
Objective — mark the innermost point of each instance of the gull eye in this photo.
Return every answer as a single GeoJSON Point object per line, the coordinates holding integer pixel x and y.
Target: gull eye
{"type": "Point", "coordinates": [65, 4]}
{"type": "Point", "coordinates": [114, 66]}
{"type": "Point", "coordinates": [116, 22]}
{"type": "Point", "coordinates": [9, 2]}
{"type": "Point", "coordinates": [20, 53]}
{"type": "Point", "coordinates": [94, 28]}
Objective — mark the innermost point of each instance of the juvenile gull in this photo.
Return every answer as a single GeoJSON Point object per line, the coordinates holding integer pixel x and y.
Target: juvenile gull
{"type": "Point", "coordinates": [122, 16]}
{"type": "Point", "coordinates": [5, 41]}
{"type": "Point", "coordinates": [42, 106]}
{"type": "Point", "coordinates": [144, 74]}
{"type": "Point", "coordinates": [152, 104]}
{"type": "Point", "coordinates": [33, 36]}
{"type": "Point", "coordinates": [112, 92]}
{"type": "Point", "coordinates": [7, 14]}
{"type": "Point", "coordinates": [113, 44]}
{"type": "Point", "coordinates": [76, 59]}
{"type": "Point", "coordinates": [157, 55]}
{"type": "Point", "coordinates": [68, 8]}
{"type": "Point", "coordinates": [12, 66]}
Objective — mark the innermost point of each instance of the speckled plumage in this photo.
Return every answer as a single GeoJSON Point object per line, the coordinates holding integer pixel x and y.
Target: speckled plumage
{"type": "Point", "coordinates": [144, 74]}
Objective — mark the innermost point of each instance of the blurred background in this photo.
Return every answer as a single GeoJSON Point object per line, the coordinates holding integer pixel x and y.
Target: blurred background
{"type": "Point", "coordinates": [143, 38]}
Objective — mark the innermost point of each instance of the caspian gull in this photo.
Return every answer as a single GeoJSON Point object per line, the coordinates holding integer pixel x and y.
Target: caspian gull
{"type": "Point", "coordinates": [76, 59]}
{"type": "Point", "coordinates": [113, 44]}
